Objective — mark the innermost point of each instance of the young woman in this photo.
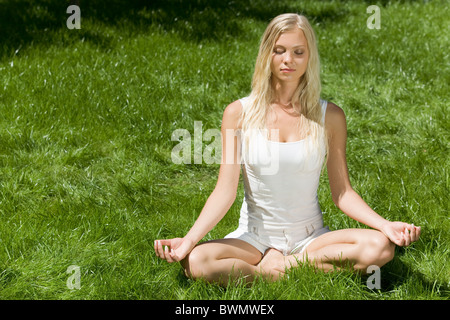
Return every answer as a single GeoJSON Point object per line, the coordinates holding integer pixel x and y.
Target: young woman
{"type": "Point", "coordinates": [284, 131]}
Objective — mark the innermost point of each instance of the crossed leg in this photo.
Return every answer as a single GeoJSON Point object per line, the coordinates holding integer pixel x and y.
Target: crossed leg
{"type": "Point", "coordinates": [221, 260]}
{"type": "Point", "coordinates": [357, 248]}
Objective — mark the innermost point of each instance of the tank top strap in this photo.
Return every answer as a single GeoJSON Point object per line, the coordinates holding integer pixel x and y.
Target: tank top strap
{"type": "Point", "coordinates": [244, 102]}
{"type": "Point", "coordinates": [323, 104]}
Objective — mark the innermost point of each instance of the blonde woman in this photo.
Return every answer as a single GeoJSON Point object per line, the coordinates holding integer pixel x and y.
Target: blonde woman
{"type": "Point", "coordinates": [284, 131]}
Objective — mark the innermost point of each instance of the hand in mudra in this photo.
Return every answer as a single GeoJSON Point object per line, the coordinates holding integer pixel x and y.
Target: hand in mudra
{"type": "Point", "coordinates": [174, 250]}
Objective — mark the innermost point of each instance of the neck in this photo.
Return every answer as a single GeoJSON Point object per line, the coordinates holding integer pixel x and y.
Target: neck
{"type": "Point", "coordinates": [283, 91]}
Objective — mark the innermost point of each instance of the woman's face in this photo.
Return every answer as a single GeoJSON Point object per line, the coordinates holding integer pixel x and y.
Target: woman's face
{"type": "Point", "coordinates": [290, 56]}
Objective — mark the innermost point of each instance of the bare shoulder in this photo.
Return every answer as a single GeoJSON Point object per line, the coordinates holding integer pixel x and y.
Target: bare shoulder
{"type": "Point", "coordinates": [334, 117]}
{"type": "Point", "coordinates": [232, 114]}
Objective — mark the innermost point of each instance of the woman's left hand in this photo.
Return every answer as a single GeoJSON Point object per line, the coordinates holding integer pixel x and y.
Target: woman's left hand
{"type": "Point", "coordinates": [401, 233]}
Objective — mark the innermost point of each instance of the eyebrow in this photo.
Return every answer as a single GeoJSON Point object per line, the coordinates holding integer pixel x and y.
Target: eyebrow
{"type": "Point", "coordinates": [294, 47]}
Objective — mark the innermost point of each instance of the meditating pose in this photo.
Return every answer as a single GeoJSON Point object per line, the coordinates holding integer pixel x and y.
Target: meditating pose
{"type": "Point", "coordinates": [280, 136]}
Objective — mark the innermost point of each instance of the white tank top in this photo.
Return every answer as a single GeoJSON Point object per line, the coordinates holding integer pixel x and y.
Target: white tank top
{"type": "Point", "coordinates": [280, 182]}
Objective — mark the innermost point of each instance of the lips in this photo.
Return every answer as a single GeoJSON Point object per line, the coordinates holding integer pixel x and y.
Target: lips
{"type": "Point", "coordinates": [287, 70]}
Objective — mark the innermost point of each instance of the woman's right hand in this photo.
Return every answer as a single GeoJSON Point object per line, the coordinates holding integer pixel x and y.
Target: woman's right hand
{"type": "Point", "coordinates": [174, 249]}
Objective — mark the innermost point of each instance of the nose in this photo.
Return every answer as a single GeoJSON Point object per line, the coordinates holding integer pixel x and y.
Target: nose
{"type": "Point", "coordinates": [287, 57]}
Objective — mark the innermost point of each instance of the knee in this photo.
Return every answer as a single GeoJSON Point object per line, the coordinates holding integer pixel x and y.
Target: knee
{"type": "Point", "coordinates": [378, 250]}
{"type": "Point", "coordinates": [195, 262]}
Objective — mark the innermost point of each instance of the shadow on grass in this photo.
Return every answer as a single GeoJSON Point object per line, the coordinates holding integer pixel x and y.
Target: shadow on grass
{"type": "Point", "coordinates": [34, 22]}
{"type": "Point", "coordinates": [397, 273]}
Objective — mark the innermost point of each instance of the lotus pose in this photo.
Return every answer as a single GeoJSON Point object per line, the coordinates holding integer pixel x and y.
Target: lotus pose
{"type": "Point", "coordinates": [282, 134]}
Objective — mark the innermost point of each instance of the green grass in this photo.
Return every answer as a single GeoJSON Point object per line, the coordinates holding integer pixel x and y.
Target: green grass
{"type": "Point", "coordinates": [86, 118]}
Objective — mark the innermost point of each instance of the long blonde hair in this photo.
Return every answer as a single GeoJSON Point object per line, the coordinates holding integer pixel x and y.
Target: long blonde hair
{"type": "Point", "coordinates": [306, 98]}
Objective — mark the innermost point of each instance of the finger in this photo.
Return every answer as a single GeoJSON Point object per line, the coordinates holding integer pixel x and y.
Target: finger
{"type": "Point", "coordinates": [167, 254]}
{"type": "Point", "coordinates": [407, 237]}
{"type": "Point", "coordinates": [411, 233]}
{"type": "Point", "coordinates": [160, 250]}
{"type": "Point", "coordinates": [416, 233]}
{"type": "Point", "coordinates": [166, 242]}
{"type": "Point", "coordinates": [174, 255]}
{"type": "Point", "coordinates": [155, 246]}
{"type": "Point", "coordinates": [158, 253]}
{"type": "Point", "coordinates": [401, 241]}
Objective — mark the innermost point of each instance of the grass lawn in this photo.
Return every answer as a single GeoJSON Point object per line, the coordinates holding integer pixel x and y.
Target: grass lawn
{"type": "Point", "coordinates": [86, 118]}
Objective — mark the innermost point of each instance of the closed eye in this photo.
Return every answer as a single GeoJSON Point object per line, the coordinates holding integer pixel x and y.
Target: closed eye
{"type": "Point", "coordinates": [281, 51]}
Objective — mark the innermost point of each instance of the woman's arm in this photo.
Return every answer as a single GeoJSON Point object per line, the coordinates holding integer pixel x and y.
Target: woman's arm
{"type": "Point", "coordinates": [222, 197]}
{"type": "Point", "coordinates": [342, 192]}
{"type": "Point", "coordinates": [224, 194]}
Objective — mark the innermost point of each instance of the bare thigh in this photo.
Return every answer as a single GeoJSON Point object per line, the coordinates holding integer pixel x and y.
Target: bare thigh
{"type": "Point", "coordinates": [347, 236]}
{"type": "Point", "coordinates": [221, 249]}
{"type": "Point", "coordinates": [361, 247]}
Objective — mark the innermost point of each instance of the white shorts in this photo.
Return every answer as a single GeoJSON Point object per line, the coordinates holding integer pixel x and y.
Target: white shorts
{"type": "Point", "coordinates": [290, 240]}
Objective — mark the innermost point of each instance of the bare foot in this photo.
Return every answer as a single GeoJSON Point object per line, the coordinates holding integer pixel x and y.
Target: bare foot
{"type": "Point", "coordinates": [272, 265]}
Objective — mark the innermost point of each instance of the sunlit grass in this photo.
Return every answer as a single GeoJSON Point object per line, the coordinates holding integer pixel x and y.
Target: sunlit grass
{"type": "Point", "coordinates": [86, 118]}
